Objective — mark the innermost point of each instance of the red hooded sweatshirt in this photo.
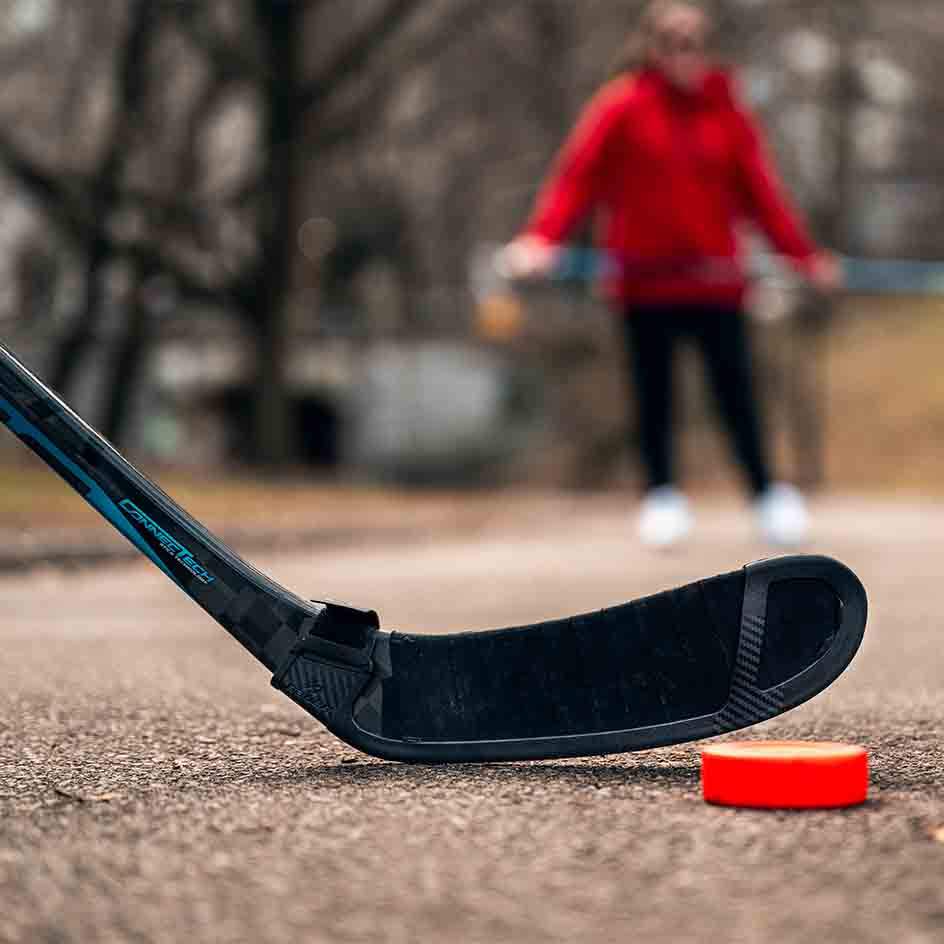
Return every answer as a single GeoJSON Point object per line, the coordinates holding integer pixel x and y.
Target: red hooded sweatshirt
{"type": "Point", "coordinates": [670, 173]}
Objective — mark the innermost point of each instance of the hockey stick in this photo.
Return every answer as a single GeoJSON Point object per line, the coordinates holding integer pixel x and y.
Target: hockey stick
{"type": "Point", "coordinates": [711, 657]}
{"type": "Point", "coordinates": [491, 270]}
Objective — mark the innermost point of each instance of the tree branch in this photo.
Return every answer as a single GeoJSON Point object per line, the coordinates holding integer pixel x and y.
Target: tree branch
{"type": "Point", "coordinates": [354, 55]}
{"type": "Point", "coordinates": [68, 212]}
{"type": "Point", "coordinates": [424, 50]}
{"type": "Point", "coordinates": [229, 62]}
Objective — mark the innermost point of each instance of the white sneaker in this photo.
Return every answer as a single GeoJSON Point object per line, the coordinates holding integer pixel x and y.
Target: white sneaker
{"type": "Point", "coordinates": [782, 515]}
{"type": "Point", "coordinates": [665, 518]}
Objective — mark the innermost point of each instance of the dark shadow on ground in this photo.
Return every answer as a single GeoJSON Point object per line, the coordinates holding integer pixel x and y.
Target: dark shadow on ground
{"type": "Point", "coordinates": [564, 774]}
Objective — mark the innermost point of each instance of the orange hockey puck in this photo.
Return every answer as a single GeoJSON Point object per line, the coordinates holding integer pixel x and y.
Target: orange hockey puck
{"type": "Point", "coordinates": [785, 775]}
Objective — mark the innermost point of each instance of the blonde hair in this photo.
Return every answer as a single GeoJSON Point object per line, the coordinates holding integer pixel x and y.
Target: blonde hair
{"type": "Point", "coordinates": [637, 50]}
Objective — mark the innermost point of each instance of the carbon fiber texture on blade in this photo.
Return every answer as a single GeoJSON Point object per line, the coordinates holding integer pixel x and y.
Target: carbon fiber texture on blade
{"type": "Point", "coordinates": [655, 661]}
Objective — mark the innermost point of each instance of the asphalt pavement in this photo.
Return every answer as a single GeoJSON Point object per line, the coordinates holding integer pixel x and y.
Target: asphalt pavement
{"type": "Point", "coordinates": [153, 787]}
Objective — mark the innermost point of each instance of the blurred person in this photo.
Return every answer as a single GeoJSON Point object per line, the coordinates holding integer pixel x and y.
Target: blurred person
{"type": "Point", "coordinates": [673, 161]}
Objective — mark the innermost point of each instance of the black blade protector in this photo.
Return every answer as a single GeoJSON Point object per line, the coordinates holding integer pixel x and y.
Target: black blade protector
{"type": "Point", "coordinates": [714, 656]}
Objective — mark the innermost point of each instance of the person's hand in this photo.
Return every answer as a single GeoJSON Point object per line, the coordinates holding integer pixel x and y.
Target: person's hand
{"type": "Point", "coordinates": [826, 273]}
{"type": "Point", "coordinates": [527, 257]}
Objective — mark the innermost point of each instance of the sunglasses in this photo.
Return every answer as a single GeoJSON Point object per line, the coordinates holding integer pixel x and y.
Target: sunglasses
{"type": "Point", "coordinates": [680, 43]}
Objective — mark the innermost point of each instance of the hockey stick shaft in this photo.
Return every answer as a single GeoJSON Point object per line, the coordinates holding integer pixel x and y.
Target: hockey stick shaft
{"type": "Point", "coordinates": [264, 617]}
{"type": "Point", "coordinates": [575, 264]}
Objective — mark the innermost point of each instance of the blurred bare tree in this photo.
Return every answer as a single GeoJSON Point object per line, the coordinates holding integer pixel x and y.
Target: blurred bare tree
{"type": "Point", "coordinates": [164, 143]}
{"type": "Point", "coordinates": [250, 157]}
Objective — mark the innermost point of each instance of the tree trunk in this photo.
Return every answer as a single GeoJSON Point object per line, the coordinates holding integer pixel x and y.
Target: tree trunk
{"type": "Point", "coordinates": [128, 362]}
{"type": "Point", "coordinates": [80, 334]}
{"type": "Point", "coordinates": [130, 80]}
{"type": "Point", "coordinates": [280, 24]}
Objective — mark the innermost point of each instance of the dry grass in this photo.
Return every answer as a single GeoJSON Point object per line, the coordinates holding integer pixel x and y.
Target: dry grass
{"type": "Point", "coordinates": [885, 414]}
{"type": "Point", "coordinates": [886, 397]}
{"type": "Point", "coordinates": [32, 496]}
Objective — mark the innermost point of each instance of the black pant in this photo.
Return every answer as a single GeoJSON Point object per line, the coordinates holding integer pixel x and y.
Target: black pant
{"type": "Point", "coordinates": [720, 333]}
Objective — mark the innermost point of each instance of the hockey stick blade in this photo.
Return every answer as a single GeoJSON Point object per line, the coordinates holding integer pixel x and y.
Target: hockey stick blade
{"type": "Point", "coordinates": [714, 656]}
